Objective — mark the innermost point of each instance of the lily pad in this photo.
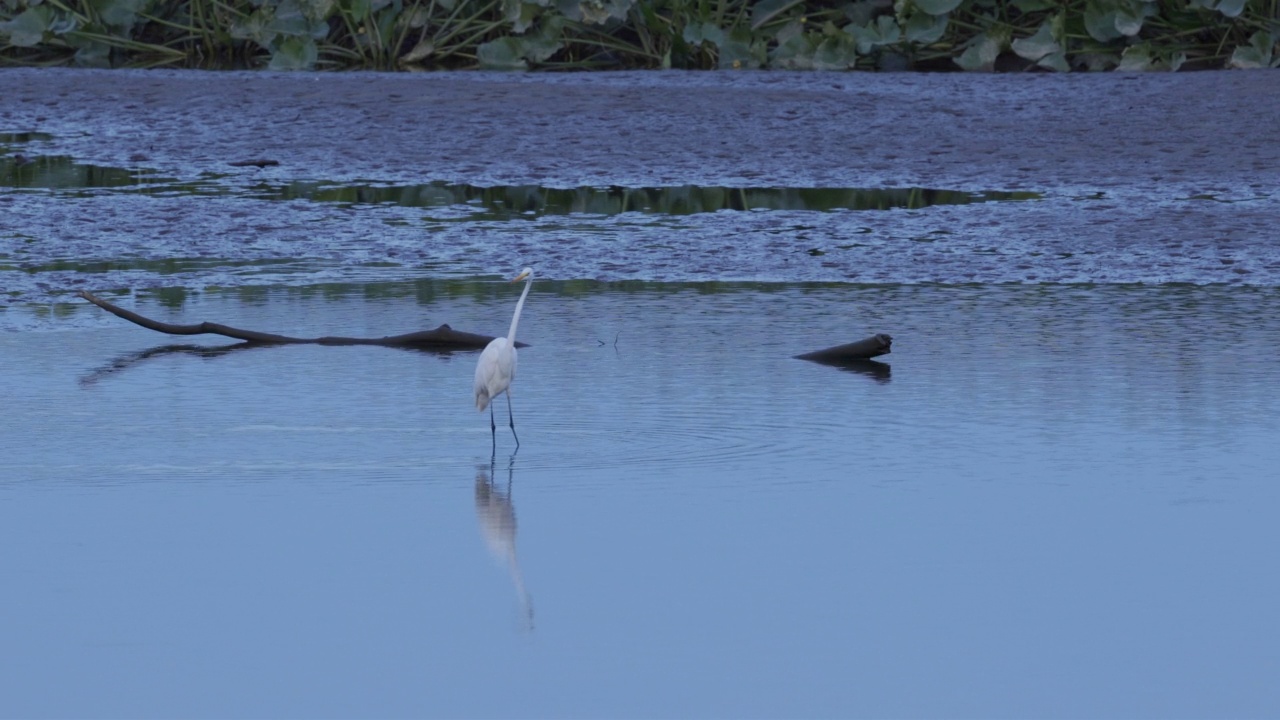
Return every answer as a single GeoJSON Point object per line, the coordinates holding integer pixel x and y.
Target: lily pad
{"type": "Point", "coordinates": [1055, 61]}
{"type": "Point", "coordinates": [27, 28]}
{"type": "Point", "coordinates": [1136, 58]}
{"type": "Point", "coordinates": [294, 53]}
{"type": "Point", "coordinates": [937, 7]}
{"type": "Point", "coordinates": [1231, 8]}
{"type": "Point", "coordinates": [925, 29]}
{"type": "Point", "coordinates": [884, 31]}
{"type": "Point", "coordinates": [1037, 46]}
{"type": "Point", "coordinates": [1128, 24]}
{"type": "Point", "coordinates": [739, 52]}
{"type": "Point", "coordinates": [981, 53]}
{"type": "Point", "coordinates": [1258, 53]}
{"type": "Point", "coordinates": [766, 10]}
{"type": "Point", "coordinates": [697, 33]}
{"type": "Point", "coordinates": [506, 53]}
{"type": "Point", "coordinates": [1100, 23]}
{"type": "Point", "coordinates": [837, 52]}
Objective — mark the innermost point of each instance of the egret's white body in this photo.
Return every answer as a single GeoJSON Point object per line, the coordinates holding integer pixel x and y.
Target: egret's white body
{"type": "Point", "coordinates": [497, 365]}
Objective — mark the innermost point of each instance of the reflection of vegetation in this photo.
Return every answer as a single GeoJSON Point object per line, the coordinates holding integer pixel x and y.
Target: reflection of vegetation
{"type": "Point", "coordinates": [971, 34]}
{"type": "Point", "coordinates": [61, 172]}
{"type": "Point", "coordinates": [504, 202]}
{"type": "Point", "coordinates": [23, 137]}
{"type": "Point", "coordinates": [531, 200]}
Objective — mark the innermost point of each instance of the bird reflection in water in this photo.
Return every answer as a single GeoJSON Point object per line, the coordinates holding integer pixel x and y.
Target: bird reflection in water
{"type": "Point", "coordinates": [497, 516]}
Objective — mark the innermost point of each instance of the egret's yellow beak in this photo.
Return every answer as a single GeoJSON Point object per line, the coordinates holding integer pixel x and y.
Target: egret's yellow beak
{"type": "Point", "coordinates": [520, 277]}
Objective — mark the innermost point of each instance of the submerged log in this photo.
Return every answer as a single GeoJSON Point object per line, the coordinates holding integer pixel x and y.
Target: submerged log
{"type": "Point", "coordinates": [864, 349]}
{"type": "Point", "coordinates": [442, 338]}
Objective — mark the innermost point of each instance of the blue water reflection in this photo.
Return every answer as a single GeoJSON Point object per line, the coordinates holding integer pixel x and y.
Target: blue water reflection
{"type": "Point", "coordinates": [1060, 501]}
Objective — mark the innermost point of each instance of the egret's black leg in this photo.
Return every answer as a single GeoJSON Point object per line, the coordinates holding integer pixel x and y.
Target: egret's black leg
{"type": "Point", "coordinates": [512, 419]}
{"type": "Point", "coordinates": [493, 429]}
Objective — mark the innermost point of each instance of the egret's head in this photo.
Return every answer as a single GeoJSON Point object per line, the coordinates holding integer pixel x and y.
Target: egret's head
{"type": "Point", "coordinates": [523, 274]}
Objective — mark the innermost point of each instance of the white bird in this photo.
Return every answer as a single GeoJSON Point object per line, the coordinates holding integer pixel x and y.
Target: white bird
{"type": "Point", "coordinates": [497, 366]}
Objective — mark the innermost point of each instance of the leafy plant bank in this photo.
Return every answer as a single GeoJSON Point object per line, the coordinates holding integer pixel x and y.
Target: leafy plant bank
{"type": "Point", "coordinates": [615, 34]}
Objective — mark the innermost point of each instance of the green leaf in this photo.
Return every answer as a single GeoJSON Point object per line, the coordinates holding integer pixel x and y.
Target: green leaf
{"type": "Point", "coordinates": [254, 27]}
{"type": "Point", "coordinates": [423, 50]}
{"type": "Point", "coordinates": [90, 53]}
{"type": "Point", "coordinates": [766, 10]}
{"type": "Point", "coordinates": [568, 8]}
{"type": "Point", "coordinates": [884, 31]}
{"type": "Point", "coordinates": [63, 25]}
{"type": "Point", "coordinates": [861, 12]}
{"type": "Point", "coordinates": [922, 29]}
{"type": "Point", "coordinates": [795, 49]}
{"type": "Point", "coordinates": [697, 33]}
{"type": "Point", "coordinates": [1257, 54]}
{"type": "Point", "coordinates": [1097, 62]}
{"type": "Point", "coordinates": [1231, 8]}
{"type": "Point", "coordinates": [505, 53]}
{"type": "Point", "coordinates": [835, 53]}
{"type": "Point", "coordinates": [93, 55]}
{"type": "Point", "coordinates": [27, 29]}
{"type": "Point", "coordinates": [738, 52]}
{"type": "Point", "coordinates": [521, 14]}
{"type": "Point", "coordinates": [294, 53]}
{"type": "Point", "coordinates": [317, 9]}
{"type": "Point", "coordinates": [889, 31]}
{"type": "Point", "coordinates": [288, 20]}
{"type": "Point", "coordinates": [981, 53]}
{"type": "Point", "coordinates": [539, 46]}
{"type": "Point", "coordinates": [1030, 6]}
{"type": "Point", "coordinates": [1038, 45]}
{"type": "Point", "coordinates": [119, 13]}
{"type": "Point", "coordinates": [1055, 61]}
{"type": "Point", "coordinates": [789, 32]}
{"type": "Point", "coordinates": [937, 7]}
{"type": "Point", "coordinates": [1136, 58]}
{"type": "Point", "coordinates": [599, 12]}
{"type": "Point", "coordinates": [1128, 24]}
{"type": "Point", "coordinates": [357, 9]}
{"type": "Point", "coordinates": [1100, 23]}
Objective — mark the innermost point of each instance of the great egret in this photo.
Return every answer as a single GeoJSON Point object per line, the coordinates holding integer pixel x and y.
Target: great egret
{"type": "Point", "coordinates": [497, 366]}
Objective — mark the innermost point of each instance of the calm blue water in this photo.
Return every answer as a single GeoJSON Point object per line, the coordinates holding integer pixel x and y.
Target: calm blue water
{"type": "Point", "coordinates": [1055, 501]}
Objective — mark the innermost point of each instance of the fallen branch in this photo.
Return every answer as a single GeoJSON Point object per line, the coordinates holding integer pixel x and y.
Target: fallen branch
{"type": "Point", "coordinates": [864, 349]}
{"type": "Point", "coordinates": [442, 338]}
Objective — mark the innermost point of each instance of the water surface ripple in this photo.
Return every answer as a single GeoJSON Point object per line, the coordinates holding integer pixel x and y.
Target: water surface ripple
{"type": "Point", "coordinates": [1091, 467]}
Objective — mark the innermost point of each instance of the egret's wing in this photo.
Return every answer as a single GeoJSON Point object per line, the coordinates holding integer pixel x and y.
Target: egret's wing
{"type": "Point", "coordinates": [495, 371]}
{"type": "Point", "coordinates": [488, 372]}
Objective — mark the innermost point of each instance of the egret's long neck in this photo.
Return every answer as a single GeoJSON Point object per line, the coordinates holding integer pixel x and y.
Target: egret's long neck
{"type": "Point", "coordinates": [515, 319]}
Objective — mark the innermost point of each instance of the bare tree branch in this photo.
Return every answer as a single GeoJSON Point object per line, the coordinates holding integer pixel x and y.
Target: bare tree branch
{"type": "Point", "coordinates": [442, 338]}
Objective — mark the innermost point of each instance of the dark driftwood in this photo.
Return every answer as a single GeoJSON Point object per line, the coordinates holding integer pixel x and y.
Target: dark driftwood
{"type": "Point", "coordinates": [865, 349]}
{"type": "Point", "coordinates": [442, 338]}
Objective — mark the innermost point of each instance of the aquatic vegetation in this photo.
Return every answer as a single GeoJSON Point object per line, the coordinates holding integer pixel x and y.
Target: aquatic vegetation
{"type": "Point", "coordinates": [584, 34]}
